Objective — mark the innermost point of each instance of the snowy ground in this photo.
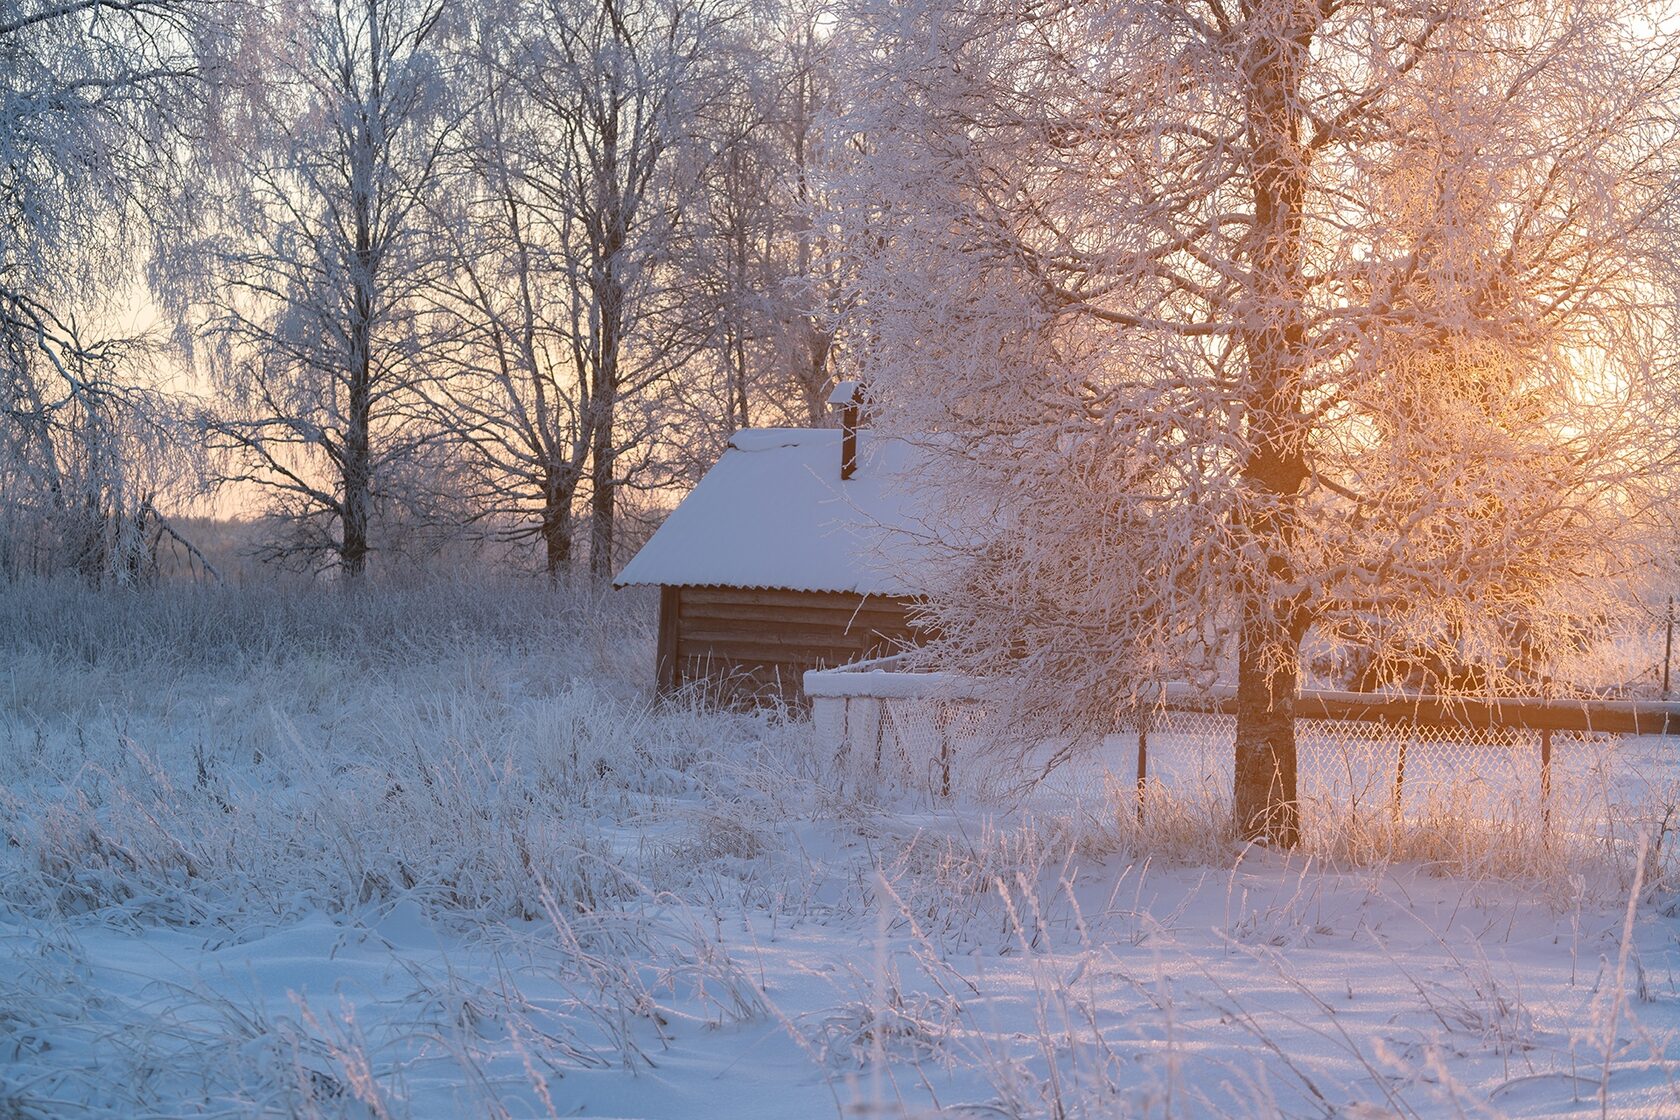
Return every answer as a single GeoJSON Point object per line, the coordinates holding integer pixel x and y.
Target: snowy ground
{"type": "Point", "coordinates": [434, 856]}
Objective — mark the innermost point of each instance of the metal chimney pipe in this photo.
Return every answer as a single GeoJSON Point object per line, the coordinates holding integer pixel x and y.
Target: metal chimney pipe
{"type": "Point", "coordinates": [848, 441]}
{"type": "Point", "coordinates": [849, 396]}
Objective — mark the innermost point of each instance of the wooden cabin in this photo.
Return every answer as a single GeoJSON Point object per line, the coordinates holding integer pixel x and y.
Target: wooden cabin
{"type": "Point", "coordinates": [782, 559]}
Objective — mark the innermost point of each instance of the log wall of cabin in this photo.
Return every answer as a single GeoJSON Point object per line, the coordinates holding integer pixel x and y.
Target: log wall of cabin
{"type": "Point", "coordinates": [757, 645]}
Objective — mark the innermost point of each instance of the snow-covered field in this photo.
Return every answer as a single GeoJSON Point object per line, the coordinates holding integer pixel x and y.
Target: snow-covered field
{"type": "Point", "coordinates": [432, 853]}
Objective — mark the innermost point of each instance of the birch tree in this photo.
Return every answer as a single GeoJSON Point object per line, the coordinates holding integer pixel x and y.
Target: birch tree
{"type": "Point", "coordinates": [512, 400]}
{"type": "Point", "coordinates": [569, 317]}
{"type": "Point", "coordinates": [610, 87]}
{"type": "Point", "coordinates": [762, 254]}
{"type": "Point", "coordinates": [1244, 323]}
{"type": "Point", "coordinates": [305, 282]}
{"type": "Point", "coordinates": [812, 293]}
{"type": "Point", "coordinates": [89, 100]}
{"type": "Point", "coordinates": [733, 263]}
{"type": "Point", "coordinates": [757, 257]}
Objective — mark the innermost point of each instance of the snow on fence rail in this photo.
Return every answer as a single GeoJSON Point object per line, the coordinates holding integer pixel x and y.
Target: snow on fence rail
{"type": "Point", "coordinates": [1386, 756]}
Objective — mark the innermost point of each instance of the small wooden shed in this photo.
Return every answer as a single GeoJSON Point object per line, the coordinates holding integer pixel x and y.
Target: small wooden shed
{"type": "Point", "coordinates": [775, 563]}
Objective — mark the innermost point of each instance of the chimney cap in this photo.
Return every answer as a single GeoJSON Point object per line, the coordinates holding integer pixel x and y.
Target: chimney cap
{"type": "Point", "coordinates": [846, 393]}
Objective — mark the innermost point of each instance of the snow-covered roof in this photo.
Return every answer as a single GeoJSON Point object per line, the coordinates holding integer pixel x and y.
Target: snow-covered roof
{"type": "Point", "coordinates": [774, 514]}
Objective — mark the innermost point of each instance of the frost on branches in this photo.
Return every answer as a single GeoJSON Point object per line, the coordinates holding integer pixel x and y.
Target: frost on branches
{"type": "Point", "coordinates": [90, 446]}
{"type": "Point", "coordinates": [1256, 327]}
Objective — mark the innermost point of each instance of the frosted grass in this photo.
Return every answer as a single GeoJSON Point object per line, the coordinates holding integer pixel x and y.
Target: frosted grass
{"type": "Point", "coordinates": [436, 852]}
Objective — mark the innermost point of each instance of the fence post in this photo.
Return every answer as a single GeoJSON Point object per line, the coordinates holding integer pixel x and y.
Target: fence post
{"type": "Point", "coordinates": [944, 757]}
{"type": "Point", "coordinates": [1546, 758]}
{"type": "Point", "coordinates": [1400, 772]}
{"type": "Point", "coordinates": [1142, 758]}
{"type": "Point", "coordinates": [831, 719]}
{"type": "Point", "coordinates": [1546, 776]}
{"type": "Point", "coordinates": [1668, 647]}
{"type": "Point", "coordinates": [876, 707]}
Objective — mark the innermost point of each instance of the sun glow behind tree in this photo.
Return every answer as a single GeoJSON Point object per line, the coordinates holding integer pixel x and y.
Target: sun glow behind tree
{"type": "Point", "coordinates": [1318, 280]}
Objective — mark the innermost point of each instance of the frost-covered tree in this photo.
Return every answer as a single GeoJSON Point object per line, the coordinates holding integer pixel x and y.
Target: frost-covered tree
{"type": "Point", "coordinates": [337, 130]}
{"type": "Point", "coordinates": [611, 86]}
{"type": "Point", "coordinates": [570, 319]}
{"type": "Point", "coordinates": [811, 309]}
{"type": "Point", "coordinates": [1235, 324]}
{"type": "Point", "coordinates": [511, 399]}
{"type": "Point", "coordinates": [92, 458]}
{"type": "Point", "coordinates": [732, 255]}
{"type": "Point", "coordinates": [760, 246]}
{"type": "Point", "coordinates": [91, 94]}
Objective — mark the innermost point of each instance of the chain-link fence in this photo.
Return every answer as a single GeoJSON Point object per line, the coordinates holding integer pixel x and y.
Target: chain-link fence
{"type": "Point", "coordinates": [929, 735]}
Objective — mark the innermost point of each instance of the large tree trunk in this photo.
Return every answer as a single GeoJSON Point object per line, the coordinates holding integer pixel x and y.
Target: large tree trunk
{"type": "Point", "coordinates": [357, 473]}
{"type": "Point", "coordinates": [1266, 807]}
{"type": "Point", "coordinates": [357, 478]}
{"type": "Point", "coordinates": [358, 435]}
{"type": "Point", "coordinates": [557, 546]}
{"type": "Point", "coordinates": [353, 548]}
{"type": "Point", "coordinates": [814, 376]}
{"type": "Point", "coordinates": [601, 500]}
{"type": "Point", "coordinates": [604, 451]}
{"type": "Point", "coordinates": [557, 530]}
{"type": "Point", "coordinates": [739, 413]}
{"type": "Point", "coordinates": [1264, 792]}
